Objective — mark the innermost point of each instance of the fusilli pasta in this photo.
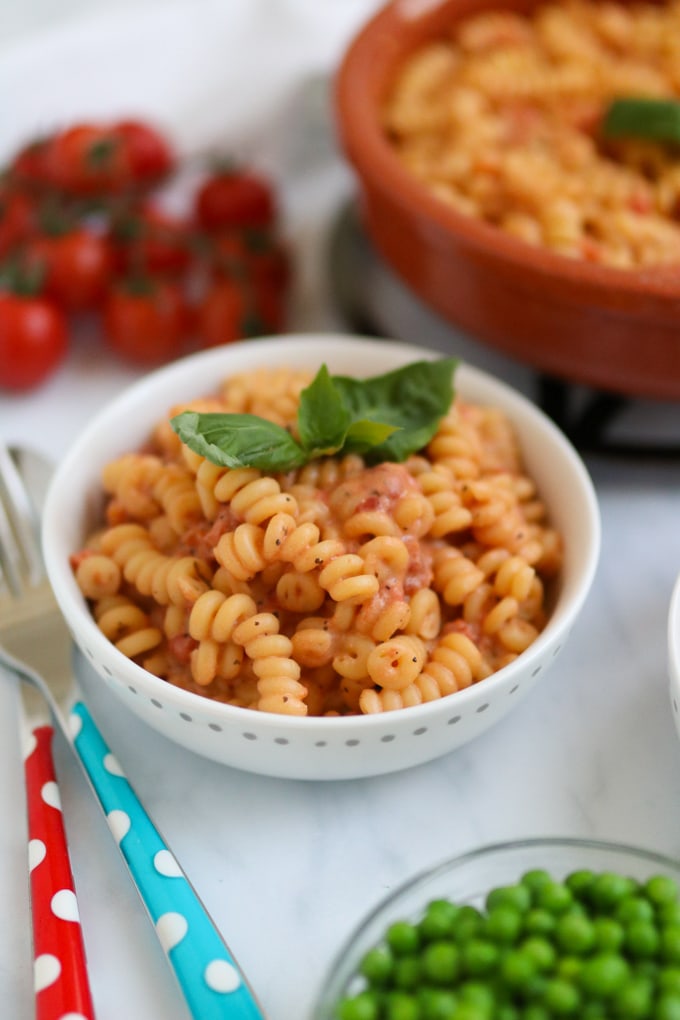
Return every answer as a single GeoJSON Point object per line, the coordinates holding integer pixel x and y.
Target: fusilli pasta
{"type": "Point", "coordinates": [336, 588]}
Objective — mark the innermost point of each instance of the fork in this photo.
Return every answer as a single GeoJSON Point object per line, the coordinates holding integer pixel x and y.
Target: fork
{"type": "Point", "coordinates": [35, 644]}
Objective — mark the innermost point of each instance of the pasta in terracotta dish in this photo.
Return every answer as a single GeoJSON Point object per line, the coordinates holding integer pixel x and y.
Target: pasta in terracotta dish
{"type": "Point", "coordinates": [503, 120]}
{"type": "Point", "coordinates": [332, 585]}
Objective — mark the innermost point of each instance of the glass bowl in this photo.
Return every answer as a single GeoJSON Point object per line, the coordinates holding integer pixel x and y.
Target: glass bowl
{"type": "Point", "coordinates": [466, 879]}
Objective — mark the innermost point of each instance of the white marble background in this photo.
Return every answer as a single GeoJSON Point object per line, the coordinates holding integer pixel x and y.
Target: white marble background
{"type": "Point", "coordinates": [288, 868]}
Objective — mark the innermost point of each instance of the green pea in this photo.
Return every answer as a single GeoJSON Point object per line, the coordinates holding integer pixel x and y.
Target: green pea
{"type": "Point", "coordinates": [661, 890]}
{"type": "Point", "coordinates": [538, 921]}
{"type": "Point", "coordinates": [377, 965]}
{"type": "Point", "coordinates": [535, 1012]}
{"type": "Point", "coordinates": [517, 969]}
{"type": "Point", "coordinates": [407, 972]}
{"type": "Point", "coordinates": [555, 897]}
{"type": "Point", "coordinates": [541, 951]}
{"type": "Point", "coordinates": [400, 1006]}
{"type": "Point", "coordinates": [438, 920]}
{"type": "Point", "coordinates": [642, 939]}
{"type": "Point", "coordinates": [402, 938]}
{"type": "Point", "coordinates": [535, 879]}
{"type": "Point", "coordinates": [479, 957]}
{"type": "Point", "coordinates": [441, 962]}
{"type": "Point", "coordinates": [667, 1007]}
{"type": "Point", "coordinates": [575, 934]}
{"type": "Point", "coordinates": [437, 1004]}
{"type": "Point", "coordinates": [468, 923]}
{"type": "Point", "coordinates": [515, 896]}
{"type": "Point", "coordinates": [363, 1006]}
{"type": "Point", "coordinates": [476, 994]}
{"type": "Point", "coordinates": [670, 943]}
{"type": "Point", "coordinates": [506, 1011]}
{"type": "Point", "coordinates": [609, 889]}
{"type": "Point", "coordinates": [594, 1011]}
{"type": "Point", "coordinates": [503, 924]}
{"type": "Point", "coordinates": [669, 913]}
{"type": "Point", "coordinates": [603, 974]}
{"type": "Point", "coordinates": [609, 934]}
{"type": "Point", "coordinates": [634, 908]}
{"type": "Point", "coordinates": [469, 1011]}
{"type": "Point", "coordinates": [569, 967]}
{"type": "Point", "coordinates": [633, 1001]}
{"type": "Point", "coordinates": [579, 882]}
{"type": "Point", "coordinates": [669, 980]}
{"type": "Point", "coordinates": [561, 997]}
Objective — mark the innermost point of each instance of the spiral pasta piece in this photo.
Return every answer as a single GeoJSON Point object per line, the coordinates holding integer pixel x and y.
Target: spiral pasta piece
{"type": "Point", "coordinates": [278, 674]}
{"type": "Point", "coordinates": [126, 625]}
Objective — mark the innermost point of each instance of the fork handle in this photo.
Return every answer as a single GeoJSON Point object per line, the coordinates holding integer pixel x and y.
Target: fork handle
{"type": "Point", "coordinates": [209, 977]}
{"type": "Point", "coordinates": [60, 971]}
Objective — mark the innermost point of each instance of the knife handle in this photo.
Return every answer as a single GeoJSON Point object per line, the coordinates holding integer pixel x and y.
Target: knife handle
{"type": "Point", "coordinates": [208, 975]}
{"type": "Point", "coordinates": [60, 971]}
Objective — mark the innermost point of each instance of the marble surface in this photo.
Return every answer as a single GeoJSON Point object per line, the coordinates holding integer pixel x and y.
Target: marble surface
{"type": "Point", "coordinates": [288, 868]}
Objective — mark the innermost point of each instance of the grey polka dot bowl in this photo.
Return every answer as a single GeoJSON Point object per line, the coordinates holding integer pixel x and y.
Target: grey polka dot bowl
{"type": "Point", "coordinates": [315, 748]}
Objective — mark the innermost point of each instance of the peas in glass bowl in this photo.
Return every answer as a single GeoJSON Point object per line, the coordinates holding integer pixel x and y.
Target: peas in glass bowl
{"type": "Point", "coordinates": [519, 931]}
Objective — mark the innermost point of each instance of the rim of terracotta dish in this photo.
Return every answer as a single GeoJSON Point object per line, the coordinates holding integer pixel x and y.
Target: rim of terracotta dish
{"type": "Point", "coordinates": [368, 148]}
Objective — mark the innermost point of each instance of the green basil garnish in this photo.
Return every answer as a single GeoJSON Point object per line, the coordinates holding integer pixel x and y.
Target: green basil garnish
{"type": "Point", "coordinates": [655, 119]}
{"type": "Point", "coordinates": [386, 417]}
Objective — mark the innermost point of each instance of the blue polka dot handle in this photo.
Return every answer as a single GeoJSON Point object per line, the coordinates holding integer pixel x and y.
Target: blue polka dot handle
{"type": "Point", "coordinates": [210, 979]}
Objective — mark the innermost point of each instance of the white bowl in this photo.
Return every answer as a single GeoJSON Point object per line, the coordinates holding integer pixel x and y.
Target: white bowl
{"type": "Point", "coordinates": [674, 653]}
{"type": "Point", "coordinates": [315, 748]}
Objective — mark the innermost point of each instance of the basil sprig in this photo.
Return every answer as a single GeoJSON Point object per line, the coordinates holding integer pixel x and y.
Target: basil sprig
{"type": "Point", "coordinates": [386, 417]}
{"type": "Point", "coordinates": [645, 117]}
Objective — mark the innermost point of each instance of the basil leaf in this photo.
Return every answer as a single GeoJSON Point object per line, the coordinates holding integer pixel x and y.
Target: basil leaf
{"type": "Point", "coordinates": [387, 417]}
{"type": "Point", "coordinates": [644, 117]}
{"type": "Point", "coordinates": [239, 440]}
{"type": "Point", "coordinates": [323, 419]}
{"type": "Point", "coordinates": [413, 399]}
{"type": "Point", "coordinates": [364, 434]}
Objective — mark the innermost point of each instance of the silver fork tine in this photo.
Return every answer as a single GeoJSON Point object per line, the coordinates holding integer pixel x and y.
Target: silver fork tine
{"type": "Point", "coordinates": [19, 530]}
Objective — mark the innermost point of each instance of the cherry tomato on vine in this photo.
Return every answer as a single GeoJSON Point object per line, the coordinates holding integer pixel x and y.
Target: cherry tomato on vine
{"type": "Point", "coordinates": [145, 320]}
{"type": "Point", "coordinates": [17, 220]}
{"type": "Point", "coordinates": [149, 154]}
{"type": "Point", "coordinates": [222, 315]}
{"type": "Point", "coordinates": [149, 240]}
{"type": "Point", "coordinates": [78, 266]}
{"type": "Point", "coordinates": [87, 159]}
{"type": "Point", "coordinates": [234, 198]}
{"type": "Point", "coordinates": [256, 254]}
{"type": "Point", "coordinates": [33, 340]}
{"type": "Point", "coordinates": [30, 166]}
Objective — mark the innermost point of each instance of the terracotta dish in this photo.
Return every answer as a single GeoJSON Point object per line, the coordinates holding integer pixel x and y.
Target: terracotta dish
{"type": "Point", "coordinates": [615, 329]}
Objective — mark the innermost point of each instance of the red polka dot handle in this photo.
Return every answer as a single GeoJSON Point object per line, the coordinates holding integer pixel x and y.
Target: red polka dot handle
{"type": "Point", "coordinates": [60, 972]}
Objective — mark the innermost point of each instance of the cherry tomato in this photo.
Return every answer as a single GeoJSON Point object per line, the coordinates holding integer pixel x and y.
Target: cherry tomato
{"type": "Point", "coordinates": [149, 154]}
{"type": "Point", "coordinates": [222, 315]}
{"type": "Point", "coordinates": [87, 159]}
{"type": "Point", "coordinates": [145, 320]}
{"type": "Point", "coordinates": [30, 166]}
{"type": "Point", "coordinates": [238, 198]}
{"type": "Point", "coordinates": [149, 240]}
{"type": "Point", "coordinates": [256, 254]}
{"type": "Point", "coordinates": [33, 340]}
{"type": "Point", "coordinates": [16, 220]}
{"type": "Point", "coordinates": [78, 266]}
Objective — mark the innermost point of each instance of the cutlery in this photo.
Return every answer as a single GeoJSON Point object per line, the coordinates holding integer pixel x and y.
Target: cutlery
{"type": "Point", "coordinates": [35, 647]}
